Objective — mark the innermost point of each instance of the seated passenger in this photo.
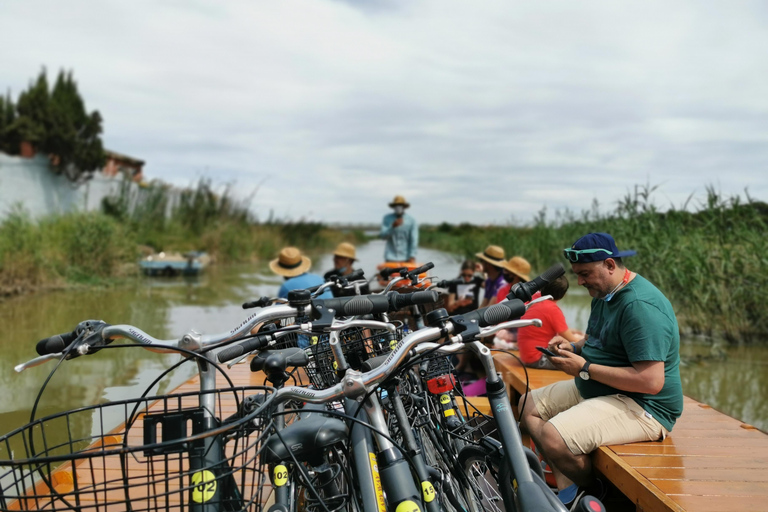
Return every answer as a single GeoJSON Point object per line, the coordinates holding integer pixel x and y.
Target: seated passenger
{"type": "Point", "coordinates": [464, 296]}
{"type": "Point", "coordinates": [553, 325]}
{"type": "Point", "coordinates": [294, 267]}
{"type": "Point", "coordinates": [493, 263]}
{"type": "Point", "coordinates": [344, 258]}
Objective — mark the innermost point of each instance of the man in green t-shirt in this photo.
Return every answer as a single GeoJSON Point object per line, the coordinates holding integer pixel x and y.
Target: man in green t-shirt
{"type": "Point", "coordinates": [627, 378]}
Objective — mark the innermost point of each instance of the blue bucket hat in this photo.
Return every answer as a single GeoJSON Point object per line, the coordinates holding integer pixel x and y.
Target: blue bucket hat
{"type": "Point", "coordinates": [595, 247]}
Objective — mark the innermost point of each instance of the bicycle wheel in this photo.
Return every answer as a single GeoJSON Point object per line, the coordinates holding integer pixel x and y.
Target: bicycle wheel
{"type": "Point", "coordinates": [482, 470]}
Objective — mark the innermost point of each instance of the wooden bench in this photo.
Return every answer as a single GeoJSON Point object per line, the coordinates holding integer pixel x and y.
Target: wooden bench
{"type": "Point", "coordinates": [709, 463]}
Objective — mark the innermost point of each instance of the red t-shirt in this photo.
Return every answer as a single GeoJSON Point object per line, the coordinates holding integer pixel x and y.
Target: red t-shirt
{"type": "Point", "coordinates": [552, 322]}
{"type": "Point", "coordinates": [502, 293]}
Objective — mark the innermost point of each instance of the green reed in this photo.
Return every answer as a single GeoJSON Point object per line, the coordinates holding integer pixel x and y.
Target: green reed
{"type": "Point", "coordinates": [711, 262]}
{"type": "Point", "coordinates": [95, 247]}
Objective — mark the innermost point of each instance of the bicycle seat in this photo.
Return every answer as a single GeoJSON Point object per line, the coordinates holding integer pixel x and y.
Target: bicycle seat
{"type": "Point", "coordinates": [307, 439]}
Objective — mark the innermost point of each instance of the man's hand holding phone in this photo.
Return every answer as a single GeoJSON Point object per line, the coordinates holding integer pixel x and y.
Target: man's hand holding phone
{"type": "Point", "coordinates": [547, 352]}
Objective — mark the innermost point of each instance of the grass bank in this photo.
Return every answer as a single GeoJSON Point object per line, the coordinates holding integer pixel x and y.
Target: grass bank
{"type": "Point", "coordinates": [102, 247]}
{"type": "Point", "coordinates": [712, 262]}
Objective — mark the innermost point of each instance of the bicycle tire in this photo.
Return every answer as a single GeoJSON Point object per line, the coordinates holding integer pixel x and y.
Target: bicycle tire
{"type": "Point", "coordinates": [483, 471]}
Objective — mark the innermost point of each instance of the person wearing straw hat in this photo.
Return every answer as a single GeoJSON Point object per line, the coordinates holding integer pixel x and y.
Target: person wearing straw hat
{"type": "Point", "coordinates": [401, 233]}
{"type": "Point", "coordinates": [626, 386]}
{"type": "Point", "coordinates": [493, 260]}
{"type": "Point", "coordinates": [344, 258]}
{"type": "Point", "coordinates": [516, 270]}
{"type": "Point", "coordinates": [294, 267]}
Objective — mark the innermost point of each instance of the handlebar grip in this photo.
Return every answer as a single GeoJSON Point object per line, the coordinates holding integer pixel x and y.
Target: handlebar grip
{"type": "Point", "coordinates": [525, 291]}
{"type": "Point", "coordinates": [385, 273]}
{"type": "Point", "coordinates": [353, 306]}
{"type": "Point", "coordinates": [355, 275]}
{"type": "Point", "coordinates": [250, 345]}
{"type": "Point", "coordinates": [258, 303]}
{"type": "Point", "coordinates": [422, 269]}
{"type": "Point", "coordinates": [55, 344]}
{"type": "Point", "coordinates": [401, 300]}
{"type": "Point", "coordinates": [498, 313]}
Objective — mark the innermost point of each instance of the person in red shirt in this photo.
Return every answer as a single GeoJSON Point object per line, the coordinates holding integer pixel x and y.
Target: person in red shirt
{"type": "Point", "coordinates": [552, 325]}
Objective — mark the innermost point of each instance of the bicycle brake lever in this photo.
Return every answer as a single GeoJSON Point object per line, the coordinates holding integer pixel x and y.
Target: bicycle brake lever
{"type": "Point", "coordinates": [37, 361]}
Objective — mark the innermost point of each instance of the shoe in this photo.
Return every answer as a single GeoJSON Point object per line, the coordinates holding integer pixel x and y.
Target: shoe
{"type": "Point", "coordinates": [596, 490]}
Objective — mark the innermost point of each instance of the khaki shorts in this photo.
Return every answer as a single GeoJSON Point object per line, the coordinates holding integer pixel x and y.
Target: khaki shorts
{"type": "Point", "coordinates": [585, 425]}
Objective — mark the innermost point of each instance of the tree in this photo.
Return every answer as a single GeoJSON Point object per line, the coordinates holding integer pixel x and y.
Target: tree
{"type": "Point", "coordinates": [57, 123]}
{"type": "Point", "coordinates": [8, 143]}
{"type": "Point", "coordinates": [33, 112]}
{"type": "Point", "coordinates": [74, 135]}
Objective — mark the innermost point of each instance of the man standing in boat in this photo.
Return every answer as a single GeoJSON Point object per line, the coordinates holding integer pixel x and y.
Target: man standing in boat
{"type": "Point", "coordinates": [627, 384]}
{"type": "Point", "coordinates": [401, 233]}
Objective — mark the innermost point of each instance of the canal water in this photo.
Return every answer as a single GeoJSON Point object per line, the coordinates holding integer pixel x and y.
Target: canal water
{"type": "Point", "coordinates": [731, 379]}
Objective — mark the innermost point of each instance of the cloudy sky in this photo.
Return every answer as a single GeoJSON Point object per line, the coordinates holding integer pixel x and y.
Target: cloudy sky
{"type": "Point", "coordinates": [475, 111]}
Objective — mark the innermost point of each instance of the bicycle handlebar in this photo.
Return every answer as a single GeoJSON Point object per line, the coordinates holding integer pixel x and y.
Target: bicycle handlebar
{"type": "Point", "coordinates": [373, 304]}
{"type": "Point", "coordinates": [258, 303]}
{"type": "Point", "coordinates": [525, 291]}
{"type": "Point", "coordinates": [497, 313]}
{"type": "Point", "coordinates": [56, 343]}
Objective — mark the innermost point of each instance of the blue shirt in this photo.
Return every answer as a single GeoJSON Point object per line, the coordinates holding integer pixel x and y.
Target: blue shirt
{"type": "Point", "coordinates": [402, 241]}
{"type": "Point", "coordinates": [303, 282]}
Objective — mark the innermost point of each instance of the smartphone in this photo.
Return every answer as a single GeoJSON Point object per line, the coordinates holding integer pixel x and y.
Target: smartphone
{"type": "Point", "coordinates": [547, 352]}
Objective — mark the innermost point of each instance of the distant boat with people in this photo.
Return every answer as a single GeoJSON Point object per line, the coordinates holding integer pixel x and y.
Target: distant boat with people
{"type": "Point", "coordinates": [174, 263]}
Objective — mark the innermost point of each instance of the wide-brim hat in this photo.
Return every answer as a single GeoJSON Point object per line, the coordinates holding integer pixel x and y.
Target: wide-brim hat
{"type": "Point", "coordinates": [595, 247]}
{"type": "Point", "coordinates": [290, 263]}
{"type": "Point", "coordinates": [494, 255]}
{"type": "Point", "coordinates": [520, 267]}
{"type": "Point", "coordinates": [399, 201]}
{"type": "Point", "coordinates": [345, 250]}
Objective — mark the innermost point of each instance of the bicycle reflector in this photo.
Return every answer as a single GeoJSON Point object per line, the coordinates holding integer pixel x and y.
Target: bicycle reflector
{"type": "Point", "coordinates": [441, 384]}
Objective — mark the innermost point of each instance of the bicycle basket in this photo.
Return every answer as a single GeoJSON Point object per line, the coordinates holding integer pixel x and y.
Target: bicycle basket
{"type": "Point", "coordinates": [358, 345]}
{"type": "Point", "coordinates": [153, 453]}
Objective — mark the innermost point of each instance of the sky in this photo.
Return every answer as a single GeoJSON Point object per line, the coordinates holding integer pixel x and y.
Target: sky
{"type": "Point", "coordinates": [483, 112]}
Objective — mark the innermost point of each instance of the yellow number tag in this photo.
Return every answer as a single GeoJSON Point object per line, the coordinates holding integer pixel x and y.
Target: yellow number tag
{"type": "Point", "coordinates": [280, 474]}
{"type": "Point", "coordinates": [428, 491]}
{"type": "Point", "coordinates": [407, 506]}
{"type": "Point", "coordinates": [444, 399]}
{"type": "Point", "coordinates": [203, 486]}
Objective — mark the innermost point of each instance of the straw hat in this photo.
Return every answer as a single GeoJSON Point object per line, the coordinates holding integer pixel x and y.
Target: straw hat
{"type": "Point", "coordinates": [290, 263]}
{"type": "Point", "coordinates": [399, 200]}
{"type": "Point", "coordinates": [345, 250]}
{"type": "Point", "coordinates": [520, 267]}
{"type": "Point", "coordinates": [494, 255]}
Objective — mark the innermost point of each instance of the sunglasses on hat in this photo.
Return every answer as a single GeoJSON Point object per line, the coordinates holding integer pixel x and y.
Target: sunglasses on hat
{"type": "Point", "coordinates": [573, 254]}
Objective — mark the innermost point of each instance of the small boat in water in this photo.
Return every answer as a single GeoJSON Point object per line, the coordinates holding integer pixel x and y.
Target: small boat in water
{"type": "Point", "coordinates": [174, 263]}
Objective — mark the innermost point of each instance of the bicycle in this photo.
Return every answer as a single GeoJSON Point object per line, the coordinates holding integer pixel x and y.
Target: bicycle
{"type": "Point", "coordinates": [182, 450]}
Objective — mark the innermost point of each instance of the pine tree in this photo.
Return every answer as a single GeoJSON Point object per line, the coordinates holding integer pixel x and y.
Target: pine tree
{"type": "Point", "coordinates": [57, 123]}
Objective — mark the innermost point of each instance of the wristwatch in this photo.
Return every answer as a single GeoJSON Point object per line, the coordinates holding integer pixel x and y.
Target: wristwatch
{"type": "Point", "coordinates": [584, 372]}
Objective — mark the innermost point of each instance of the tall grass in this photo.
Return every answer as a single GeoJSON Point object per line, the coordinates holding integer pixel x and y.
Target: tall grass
{"type": "Point", "coordinates": [78, 247]}
{"type": "Point", "coordinates": [95, 247]}
{"type": "Point", "coordinates": [712, 262]}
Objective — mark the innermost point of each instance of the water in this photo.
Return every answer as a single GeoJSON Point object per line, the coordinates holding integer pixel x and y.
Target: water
{"type": "Point", "coordinates": [731, 379]}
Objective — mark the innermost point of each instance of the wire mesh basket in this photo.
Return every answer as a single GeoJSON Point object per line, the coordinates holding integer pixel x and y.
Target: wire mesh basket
{"type": "Point", "coordinates": [358, 345]}
{"type": "Point", "coordinates": [153, 453]}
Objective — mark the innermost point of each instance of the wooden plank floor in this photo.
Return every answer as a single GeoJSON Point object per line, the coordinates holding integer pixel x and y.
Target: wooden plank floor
{"type": "Point", "coordinates": [709, 463]}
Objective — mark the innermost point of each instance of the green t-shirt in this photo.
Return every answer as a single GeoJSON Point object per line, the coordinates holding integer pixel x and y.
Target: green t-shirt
{"type": "Point", "coordinates": [637, 324]}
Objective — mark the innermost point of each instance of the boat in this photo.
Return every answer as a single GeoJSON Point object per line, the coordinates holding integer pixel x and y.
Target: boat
{"type": "Point", "coordinates": [174, 263]}
{"type": "Point", "coordinates": [405, 285]}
